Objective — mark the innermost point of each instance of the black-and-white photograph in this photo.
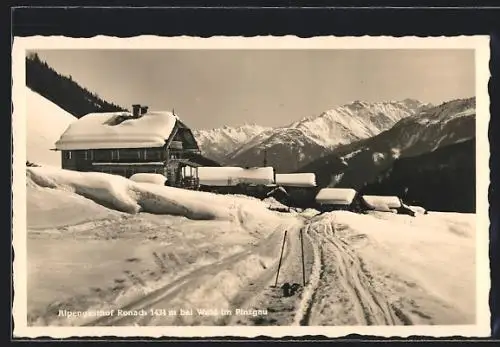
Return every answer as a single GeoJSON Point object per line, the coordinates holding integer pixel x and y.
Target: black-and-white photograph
{"type": "Point", "coordinates": [333, 187]}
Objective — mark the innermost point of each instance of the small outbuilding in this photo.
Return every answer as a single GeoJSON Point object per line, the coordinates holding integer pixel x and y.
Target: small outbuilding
{"type": "Point", "coordinates": [296, 180]}
{"type": "Point", "coordinates": [382, 203]}
{"type": "Point", "coordinates": [334, 199]}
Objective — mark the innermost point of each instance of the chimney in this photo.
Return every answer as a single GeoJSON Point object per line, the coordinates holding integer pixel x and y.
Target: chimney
{"type": "Point", "coordinates": [144, 109]}
{"type": "Point", "coordinates": [136, 109]}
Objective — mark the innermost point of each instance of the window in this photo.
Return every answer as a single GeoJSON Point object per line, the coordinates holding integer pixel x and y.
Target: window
{"type": "Point", "coordinates": [68, 154]}
{"type": "Point", "coordinates": [86, 155]}
{"type": "Point", "coordinates": [115, 154]}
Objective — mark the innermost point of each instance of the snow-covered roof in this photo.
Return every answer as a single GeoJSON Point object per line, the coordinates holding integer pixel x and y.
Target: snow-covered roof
{"type": "Point", "coordinates": [382, 202]}
{"type": "Point", "coordinates": [231, 176]}
{"type": "Point", "coordinates": [149, 178]}
{"type": "Point", "coordinates": [296, 180]}
{"type": "Point", "coordinates": [118, 130]}
{"type": "Point", "coordinates": [335, 196]}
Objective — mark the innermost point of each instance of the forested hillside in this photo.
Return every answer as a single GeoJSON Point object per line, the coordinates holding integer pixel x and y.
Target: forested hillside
{"type": "Point", "coordinates": [62, 90]}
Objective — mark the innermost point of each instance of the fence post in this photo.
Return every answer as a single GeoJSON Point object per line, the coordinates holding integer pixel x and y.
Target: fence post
{"type": "Point", "coordinates": [281, 257]}
{"type": "Point", "coordinates": [302, 251]}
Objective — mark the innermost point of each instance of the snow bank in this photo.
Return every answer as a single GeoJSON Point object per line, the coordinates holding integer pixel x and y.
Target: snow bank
{"type": "Point", "coordinates": [45, 122]}
{"type": "Point", "coordinates": [435, 253]}
{"type": "Point", "coordinates": [382, 203]}
{"type": "Point", "coordinates": [336, 196]}
{"type": "Point", "coordinates": [296, 180]}
{"type": "Point", "coordinates": [122, 194]}
{"type": "Point", "coordinates": [230, 176]}
{"type": "Point", "coordinates": [53, 208]}
{"type": "Point", "coordinates": [106, 130]}
{"type": "Point", "coordinates": [149, 178]}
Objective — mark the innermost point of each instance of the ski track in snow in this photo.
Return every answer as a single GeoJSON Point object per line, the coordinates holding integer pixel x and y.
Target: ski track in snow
{"type": "Point", "coordinates": [170, 295]}
{"type": "Point", "coordinates": [337, 290]}
{"type": "Point", "coordinates": [344, 295]}
{"type": "Point", "coordinates": [341, 289]}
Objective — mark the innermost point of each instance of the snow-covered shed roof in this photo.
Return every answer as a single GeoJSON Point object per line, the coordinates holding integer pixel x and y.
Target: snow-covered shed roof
{"type": "Point", "coordinates": [296, 180]}
{"type": "Point", "coordinates": [335, 196]}
{"type": "Point", "coordinates": [382, 203]}
{"type": "Point", "coordinates": [149, 178]}
{"type": "Point", "coordinates": [118, 130]}
{"type": "Point", "coordinates": [231, 176]}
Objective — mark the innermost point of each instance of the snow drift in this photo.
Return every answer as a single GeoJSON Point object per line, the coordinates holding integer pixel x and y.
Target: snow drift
{"type": "Point", "coordinates": [45, 122]}
{"type": "Point", "coordinates": [296, 180]}
{"type": "Point", "coordinates": [125, 195]}
{"type": "Point", "coordinates": [118, 130]}
{"type": "Point", "coordinates": [335, 196]}
{"type": "Point", "coordinates": [54, 208]}
{"type": "Point", "coordinates": [231, 176]}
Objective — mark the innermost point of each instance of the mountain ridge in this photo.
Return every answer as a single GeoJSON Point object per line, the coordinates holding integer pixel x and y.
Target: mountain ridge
{"type": "Point", "coordinates": [358, 163]}
{"type": "Point", "coordinates": [337, 126]}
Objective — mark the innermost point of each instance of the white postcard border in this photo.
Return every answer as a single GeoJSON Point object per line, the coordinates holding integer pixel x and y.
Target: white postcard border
{"type": "Point", "coordinates": [23, 44]}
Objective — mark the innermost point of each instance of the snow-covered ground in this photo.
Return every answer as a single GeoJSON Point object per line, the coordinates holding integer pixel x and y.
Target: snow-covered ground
{"type": "Point", "coordinates": [384, 268]}
{"type": "Point", "coordinates": [98, 242]}
{"type": "Point", "coordinates": [45, 121]}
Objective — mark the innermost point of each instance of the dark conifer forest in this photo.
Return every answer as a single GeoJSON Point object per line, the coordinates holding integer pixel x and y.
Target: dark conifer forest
{"type": "Point", "coordinates": [62, 90]}
{"type": "Point", "coordinates": [443, 180]}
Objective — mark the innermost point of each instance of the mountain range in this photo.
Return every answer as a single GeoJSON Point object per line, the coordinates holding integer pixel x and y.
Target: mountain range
{"type": "Point", "coordinates": [358, 163]}
{"type": "Point", "coordinates": [292, 146]}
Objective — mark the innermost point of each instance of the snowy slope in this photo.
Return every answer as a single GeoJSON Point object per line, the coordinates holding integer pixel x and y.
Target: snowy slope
{"type": "Point", "coordinates": [360, 162]}
{"type": "Point", "coordinates": [45, 122]}
{"type": "Point", "coordinates": [218, 142]}
{"type": "Point", "coordinates": [391, 263]}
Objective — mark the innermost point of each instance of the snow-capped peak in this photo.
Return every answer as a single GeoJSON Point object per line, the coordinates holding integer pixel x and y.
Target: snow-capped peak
{"type": "Point", "coordinates": [355, 121]}
{"type": "Point", "coordinates": [218, 142]}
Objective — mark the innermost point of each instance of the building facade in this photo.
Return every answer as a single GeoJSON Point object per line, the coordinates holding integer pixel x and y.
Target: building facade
{"type": "Point", "coordinates": [128, 143]}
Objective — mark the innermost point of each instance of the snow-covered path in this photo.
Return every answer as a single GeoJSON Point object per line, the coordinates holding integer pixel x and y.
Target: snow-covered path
{"type": "Point", "coordinates": [344, 295]}
{"type": "Point", "coordinates": [205, 281]}
{"type": "Point", "coordinates": [216, 262]}
{"type": "Point", "coordinates": [356, 287]}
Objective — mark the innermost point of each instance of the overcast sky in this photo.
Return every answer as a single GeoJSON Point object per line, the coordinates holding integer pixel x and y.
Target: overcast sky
{"type": "Point", "coordinates": [212, 88]}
